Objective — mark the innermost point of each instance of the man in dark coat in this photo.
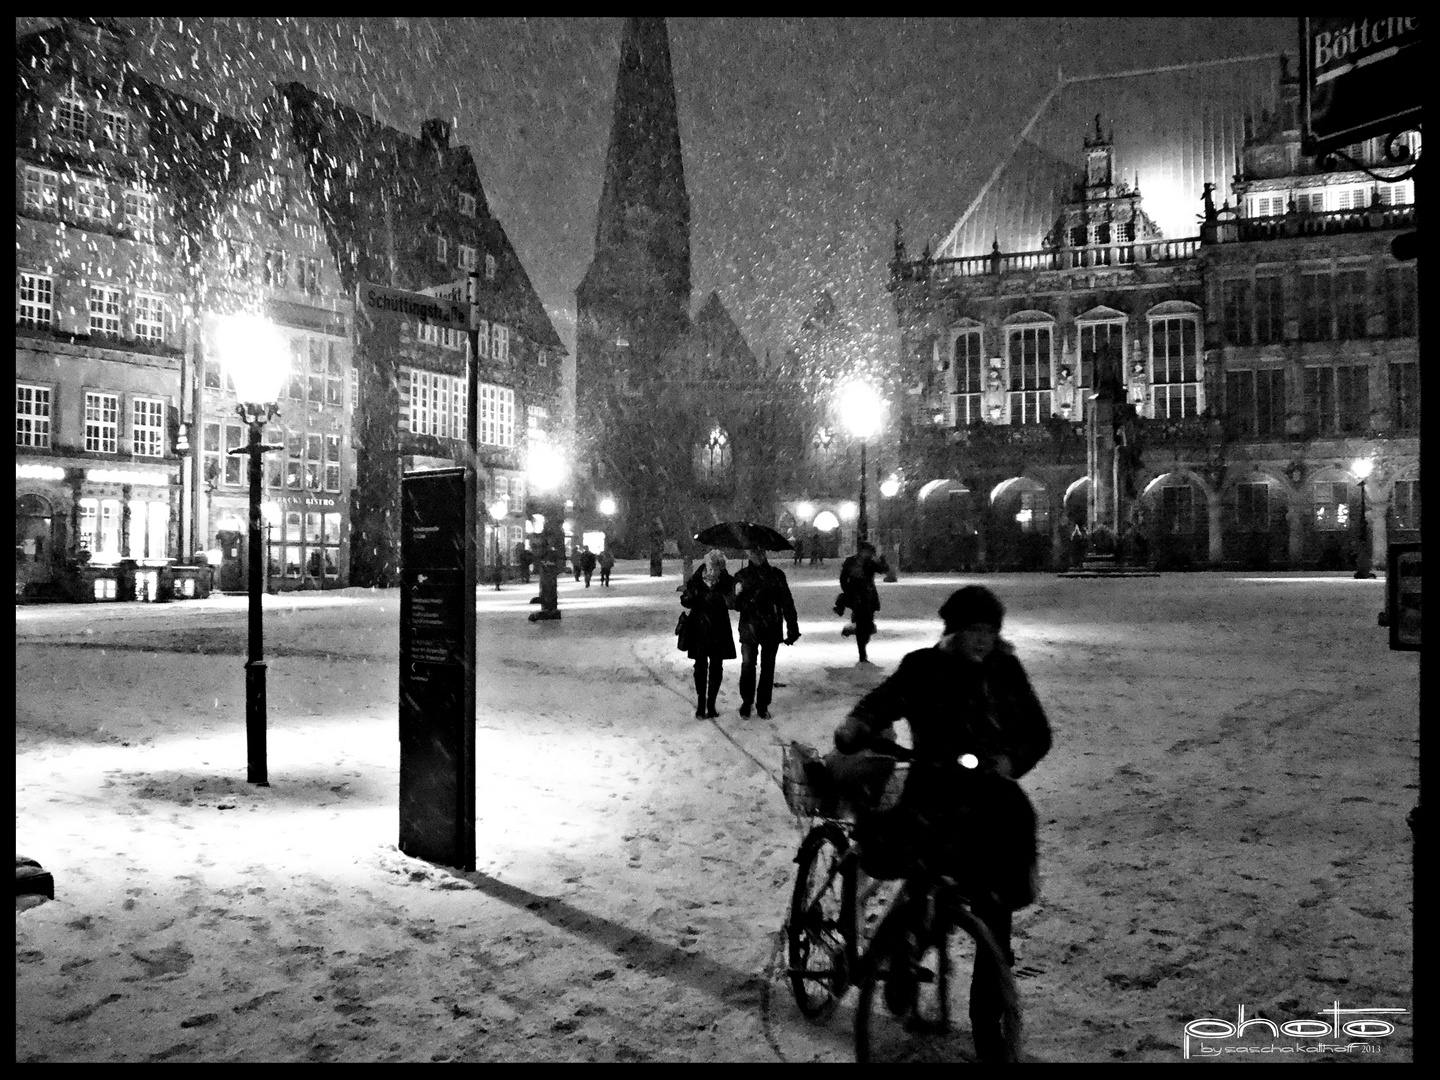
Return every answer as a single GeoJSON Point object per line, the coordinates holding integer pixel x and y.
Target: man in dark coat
{"type": "Point", "coordinates": [767, 611]}
{"type": "Point", "coordinates": [976, 727]}
{"type": "Point", "coordinates": [858, 592]}
{"type": "Point", "coordinates": [709, 642]}
{"type": "Point", "coordinates": [587, 563]}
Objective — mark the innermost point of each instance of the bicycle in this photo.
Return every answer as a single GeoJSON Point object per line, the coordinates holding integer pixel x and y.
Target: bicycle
{"type": "Point", "coordinates": [905, 974]}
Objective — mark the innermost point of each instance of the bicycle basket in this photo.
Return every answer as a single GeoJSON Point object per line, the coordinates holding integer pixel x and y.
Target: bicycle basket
{"type": "Point", "coordinates": [799, 764]}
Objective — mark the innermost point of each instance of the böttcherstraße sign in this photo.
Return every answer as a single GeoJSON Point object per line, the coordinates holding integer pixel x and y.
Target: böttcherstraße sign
{"type": "Point", "coordinates": [382, 300]}
{"type": "Point", "coordinates": [1359, 78]}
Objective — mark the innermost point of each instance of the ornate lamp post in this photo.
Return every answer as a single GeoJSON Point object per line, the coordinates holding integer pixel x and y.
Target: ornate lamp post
{"type": "Point", "coordinates": [255, 356]}
{"type": "Point", "coordinates": [499, 510]}
{"type": "Point", "coordinates": [546, 473]}
{"type": "Point", "coordinates": [860, 411]}
{"type": "Point", "coordinates": [1362, 468]}
{"type": "Point", "coordinates": [889, 489]}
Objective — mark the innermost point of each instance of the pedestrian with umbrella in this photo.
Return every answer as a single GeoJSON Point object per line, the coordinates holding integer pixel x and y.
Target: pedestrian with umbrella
{"type": "Point", "coordinates": [709, 641]}
{"type": "Point", "coordinates": [767, 610]}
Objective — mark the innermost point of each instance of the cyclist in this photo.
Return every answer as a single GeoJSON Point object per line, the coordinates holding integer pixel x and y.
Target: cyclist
{"type": "Point", "coordinates": [968, 702]}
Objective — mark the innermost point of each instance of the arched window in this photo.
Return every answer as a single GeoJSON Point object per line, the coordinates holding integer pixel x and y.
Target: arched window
{"type": "Point", "coordinates": [713, 457]}
{"type": "Point", "coordinates": [822, 445]}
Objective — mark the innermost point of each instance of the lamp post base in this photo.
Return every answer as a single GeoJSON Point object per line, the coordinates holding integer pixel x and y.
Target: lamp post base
{"type": "Point", "coordinates": [543, 616]}
{"type": "Point", "coordinates": [256, 771]}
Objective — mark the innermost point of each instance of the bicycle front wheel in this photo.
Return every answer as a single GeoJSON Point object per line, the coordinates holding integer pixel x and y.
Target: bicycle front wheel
{"type": "Point", "coordinates": [816, 932]}
{"type": "Point", "coordinates": [918, 988]}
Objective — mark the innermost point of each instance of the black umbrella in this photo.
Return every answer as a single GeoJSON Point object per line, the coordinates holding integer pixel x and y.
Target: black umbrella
{"type": "Point", "coordinates": [742, 534]}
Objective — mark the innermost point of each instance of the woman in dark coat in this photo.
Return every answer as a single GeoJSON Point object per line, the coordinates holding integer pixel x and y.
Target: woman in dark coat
{"type": "Point", "coordinates": [709, 595]}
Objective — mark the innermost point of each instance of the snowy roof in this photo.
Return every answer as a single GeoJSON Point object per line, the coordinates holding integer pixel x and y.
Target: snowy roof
{"type": "Point", "coordinates": [1175, 129]}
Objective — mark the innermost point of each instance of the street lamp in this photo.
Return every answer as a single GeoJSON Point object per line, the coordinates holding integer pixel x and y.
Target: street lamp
{"type": "Point", "coordinates": [860, 409]}
{"type": "Point", "coordinates": [889, 489]}
{"type": "Point", "coordinates": [255, 356]}
{"type": "Point", "coordinates": [545, 469]}
{"type": "Point", "coordinates": [1362, 468]}
{"type": "Point", "coordinates": [499, 510]}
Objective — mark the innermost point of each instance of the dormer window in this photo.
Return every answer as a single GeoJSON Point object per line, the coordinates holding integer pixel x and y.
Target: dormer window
{"type": "Point", "coordinates": [467, 204]}
{"type": "Point", "coordinates": [442, 249]}
{"type": "Point", "coordinates": [489, 267]}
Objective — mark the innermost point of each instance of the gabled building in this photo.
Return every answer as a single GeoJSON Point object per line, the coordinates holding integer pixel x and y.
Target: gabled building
{"type": "Point", "coordinates": [100, 322]}
{"type": "Point", "coordinates": [410, 212]}
{"type": "Point", "coordinates": [1255, 348]}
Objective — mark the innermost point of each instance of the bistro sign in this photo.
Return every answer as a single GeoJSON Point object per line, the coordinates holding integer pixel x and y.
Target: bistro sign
{"type": "Point", "coordinates": [1360, 78]}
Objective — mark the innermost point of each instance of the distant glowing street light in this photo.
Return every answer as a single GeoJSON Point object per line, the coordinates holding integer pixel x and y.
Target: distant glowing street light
{"type": "Point", "coordinates": [1362, 468]}
{"type": "Point", "coordinates": [890, 488]}
{"type": "Point", "coordinates": [804, 512]}
{"type": "Point", "coordinates": [607, 506]}
{"type": "Point", "coordinates": [860, 411]}
{"type": "Point", "coordinates": [256, 357]}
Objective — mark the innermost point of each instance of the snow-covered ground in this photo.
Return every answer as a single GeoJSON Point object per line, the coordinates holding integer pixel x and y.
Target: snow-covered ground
{"type": "Point", "coordinates": [1222, 825]}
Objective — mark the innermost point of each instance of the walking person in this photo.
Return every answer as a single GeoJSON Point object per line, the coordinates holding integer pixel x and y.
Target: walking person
{"type": "Point", "coordinates": [522, 560]}
{"type": "Point", "coordinates": [607, 563]}
{"type": "Point", "coordinates": [859, 594]}
{"type": "Point", "coordinates": [976, 728]}
{"type": "Point", "coordinates": [575, 560]}
{"type": "Point", "coordinates": [767, 616]}
{"type": "Point", "coordinates": [587, 563]}
{"type": "Point", "coordinates": [799, 544]}
{"type": "Point", "coordinates": [709, 595]}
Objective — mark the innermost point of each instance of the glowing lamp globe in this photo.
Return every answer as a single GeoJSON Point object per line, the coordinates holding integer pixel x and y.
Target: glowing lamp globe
{"type": "Point", "coordinates": [849, 511]}
{"type": "Point", "coordinates": [804, 512]}
{"type": "Point", "coordinates": [255, 355]}
{"type": "Point", "coordinates": [1362, 468]}
{"type": "Point", "coordinates": [546, 467]}
{"type": "Point", "coordinates": [499, 508]}
{"type": "Point", "coordinates": [860, 409]}
{"type": "Point", "coordinates": [607, 506]}
{"type": "Point", "coordinates": [890, 488]}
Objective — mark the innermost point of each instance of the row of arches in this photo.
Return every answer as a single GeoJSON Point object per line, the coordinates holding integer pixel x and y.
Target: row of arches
{"type": "Point", "coordinates": [1179, 519]}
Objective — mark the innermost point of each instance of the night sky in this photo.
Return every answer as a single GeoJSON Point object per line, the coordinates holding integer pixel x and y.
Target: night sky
{"type": "Point", "coordinates": [803, 139]}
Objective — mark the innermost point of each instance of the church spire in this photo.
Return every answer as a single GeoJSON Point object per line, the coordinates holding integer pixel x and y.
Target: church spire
{"type": "Point", "coordinates": [641, 268]}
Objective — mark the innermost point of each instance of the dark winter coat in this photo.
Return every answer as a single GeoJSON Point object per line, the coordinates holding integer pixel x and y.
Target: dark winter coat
{"type": "Point", "coordinates": [857, 585]}
{"type": "Point", "coordinates": [767, 611]}
{"type": "Point", "coordinates": [955, 707]}
{"type": "Point", "coordinates": [707, 630]}
{"type": "Point", "coordinates": [977, 823]}
{"type": "Point", "coordinates": [587, 561]}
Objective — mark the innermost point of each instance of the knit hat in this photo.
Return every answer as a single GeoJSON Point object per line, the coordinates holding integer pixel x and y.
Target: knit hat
{"type": "Point", "coordinates": [974, 605]}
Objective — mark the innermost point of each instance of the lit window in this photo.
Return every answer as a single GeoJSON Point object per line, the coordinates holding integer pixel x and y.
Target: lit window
{"type": "Point", "coordinates": [102, 423]}
{"type": "Point", "coordinates": [36, 300]}
{"type": "Point", "coordinates": [149, 318]}
{"type": "Point", "coordinates": [332, 462]}
{"type": "Point", "coordinates": [435, 403]}
{"type": "Point", "coordinates": [468, 256]}
{"type": "Point", "coordinates": [969, 371]}
{"type": "Point", "coordinates": [89, 519]}
{"type": "Point", "coordinates": [467, 204]}
{"type": "Point", "coordinates": [497, 415]}
{"type": "Point", "coordinates": [104, 311]}
{"type": "Point", "coordinates": [32, 415]}
{"type": "Point", "coordinates": [147, 427]}
{"type": "Point", "coordinates": [1330, 504]}
{"type": "Point", "coordinates": [334, 375]}
{"type": "Point", "coordinates": [42, 189]}
{"type": "Point", "coordinates": [1030, 374]}
{"type": "Point", "coordinates": [1175, 366]}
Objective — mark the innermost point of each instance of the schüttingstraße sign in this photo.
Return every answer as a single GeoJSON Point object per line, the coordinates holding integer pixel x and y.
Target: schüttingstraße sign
{"type": "Point", "coordinates": [381, 300]}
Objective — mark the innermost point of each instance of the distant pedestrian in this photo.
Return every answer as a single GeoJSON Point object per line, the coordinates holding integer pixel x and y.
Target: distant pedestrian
{"type": "Point", "coordinates": [709, 595]}
{"type": "Point", "coordinates": [799, 551]}
{"type": "Point", "coordinates": [767, 611]}
{"type": "Point", "coordinates": [859, 594]}
{"type": "Point", "coordinates": [817, 556]}
{"type": "Point", "coordinates": [522, 560]}
{"type": "Point", "coordinates": [607, 563]}
{"type": "Point", "coordinates": [587, 563]}
{"type": "Point", "coordinates": [575, 560]}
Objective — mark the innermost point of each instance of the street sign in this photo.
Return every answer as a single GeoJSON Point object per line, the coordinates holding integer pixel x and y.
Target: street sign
{"type": "Point", "coordinates": [381, 300]}
{"type": "Point", "coordinates": [463, 291]}
{"type": "Point", "coordinates": [1359, 78]}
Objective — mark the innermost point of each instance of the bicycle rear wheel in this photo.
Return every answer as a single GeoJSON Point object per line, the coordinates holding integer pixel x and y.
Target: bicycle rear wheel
{"type": "Point", "coordinates": [916, 990]}
{"type": "Point", "coordinates": [816, 931]}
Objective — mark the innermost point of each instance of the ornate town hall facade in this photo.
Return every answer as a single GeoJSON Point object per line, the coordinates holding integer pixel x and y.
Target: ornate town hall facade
{"type": "Point", "coordinates": [1258, 347]}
